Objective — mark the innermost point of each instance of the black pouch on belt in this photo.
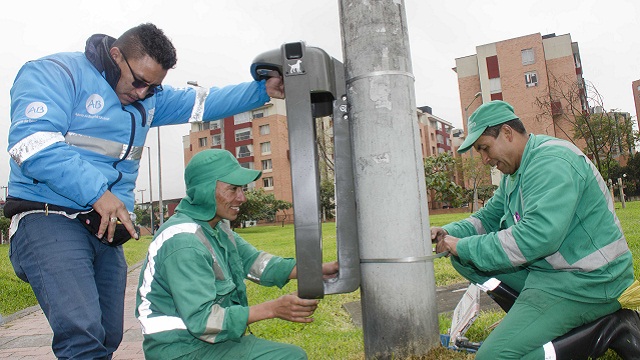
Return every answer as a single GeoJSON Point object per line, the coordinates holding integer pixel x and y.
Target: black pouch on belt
{"type": "Point", "coordinates": [91, 221]}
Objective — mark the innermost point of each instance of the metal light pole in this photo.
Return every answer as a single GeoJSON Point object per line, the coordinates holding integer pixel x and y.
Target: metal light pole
{"type": "Point", "coordinates": [150, 190]}
{"type": "Point", "coordinates": [398, 294]}
{"type": "Point", "coordinates": [474, 207]}
{"type": "Point", "coordinates": [160, 205]}
{"type": "Point", "coordinates": [141, 191]}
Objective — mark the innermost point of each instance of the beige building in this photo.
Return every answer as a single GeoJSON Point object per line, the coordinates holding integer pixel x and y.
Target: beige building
{"type": "Point", "coordinates": [521, 70]}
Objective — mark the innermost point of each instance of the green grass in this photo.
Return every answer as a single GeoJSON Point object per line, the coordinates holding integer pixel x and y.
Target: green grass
{"type": "Point", "coordinates": [332, 335]}
{"type": "Point", "coordinates": [17, 295]}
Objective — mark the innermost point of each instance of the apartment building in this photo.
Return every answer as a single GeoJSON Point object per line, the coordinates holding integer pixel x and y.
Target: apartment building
{"type": "Point", "coordinates": [257, 138]}
{"type": "Point", "coordinates": [635, 87]}
{"type": "Point", "coordinates": [521, 70]}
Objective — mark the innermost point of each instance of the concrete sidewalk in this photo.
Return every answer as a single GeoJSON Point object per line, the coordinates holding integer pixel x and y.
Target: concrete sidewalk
{"type": "Point", "coordinates": [27, 334]}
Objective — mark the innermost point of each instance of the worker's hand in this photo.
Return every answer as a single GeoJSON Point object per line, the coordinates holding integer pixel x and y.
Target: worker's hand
{"type": "Point", "coordinates": [275, 87]}
{"type": "Point", "coordinates": [437, 234]}
{"type": "Point", "coordinates": [448, 243]}
{"type": "Point", "coordinates": [330, 270]}
{"type": "Point", "coordinates": [112, 210]}
{"type": "Point", "coordinates": [292, 308]}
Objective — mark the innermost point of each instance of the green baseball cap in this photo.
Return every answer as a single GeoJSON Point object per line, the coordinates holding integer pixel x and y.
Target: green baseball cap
{"type": "Point", "coordinates": [202, 173]}
{"type": "Point", "coordinates": [488, 114]}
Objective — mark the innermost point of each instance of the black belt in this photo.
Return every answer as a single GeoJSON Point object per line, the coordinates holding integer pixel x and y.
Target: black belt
{"type": "Point", "coordinates": [15, 205]}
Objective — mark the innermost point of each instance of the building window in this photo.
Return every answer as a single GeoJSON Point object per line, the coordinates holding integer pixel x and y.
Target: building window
{"type": "Point", "coordinates": [244, 151]}
{"type": "Point", "coordinates": [267, 165]}
{"type": "Point", "coordinates": [257, 114]}
{"type": "Point", "coordinates": [528, 57]}
{"type": "Point", "coordinates": [267, 182]}
{"type": "Point", "coordinates": [265, 130]}
{"type": "Point", "coordinates": [213, 125]}
{"type": "Point", "coordinates": [531, 78]}
{"type": "Point", "coordinates": [241, 118]}
{"type": "Point", "coordinates": [202, 142]}
{"type": "Point", "coordinates": [243, 134]}
{"type": "Point", "coordinates": [265, 148]}
{"type": "Point", "coordinates": [216, 139]}
{"type": "Point", "coordinates": [247, 165]}
{"type": "Point", "coordinates": [495, 86]}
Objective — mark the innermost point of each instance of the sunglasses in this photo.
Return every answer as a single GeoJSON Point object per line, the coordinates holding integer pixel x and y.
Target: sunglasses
{"type": "Point", "coordinates": [141, 84]}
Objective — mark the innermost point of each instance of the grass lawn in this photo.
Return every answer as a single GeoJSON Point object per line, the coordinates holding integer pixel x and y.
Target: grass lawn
{"type": "Point", "coordinates": [332, 335]}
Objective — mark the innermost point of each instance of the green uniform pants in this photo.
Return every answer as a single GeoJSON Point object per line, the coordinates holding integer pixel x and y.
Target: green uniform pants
{"type": "Point", "coordinates": [535, 319]}
{"type": "Point", "coordinates": [248, 347]}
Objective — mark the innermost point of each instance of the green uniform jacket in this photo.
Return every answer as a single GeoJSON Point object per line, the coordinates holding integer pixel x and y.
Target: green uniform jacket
{"type": "Point", "coordinates": [555, 218]}
{"type": "Point", "coordinates": [192, 289]}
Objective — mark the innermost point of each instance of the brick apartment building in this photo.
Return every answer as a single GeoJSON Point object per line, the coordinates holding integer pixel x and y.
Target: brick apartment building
{"type": "Point", "coordinates": [259, 139]}
{"type": "Point", "coordinates": [636, 97]}
{"type": "Point", "coordinates": [519, 71]}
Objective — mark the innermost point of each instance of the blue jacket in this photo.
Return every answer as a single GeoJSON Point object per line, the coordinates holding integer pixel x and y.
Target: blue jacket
{"type": "Point", "coordinates": [71, 139]}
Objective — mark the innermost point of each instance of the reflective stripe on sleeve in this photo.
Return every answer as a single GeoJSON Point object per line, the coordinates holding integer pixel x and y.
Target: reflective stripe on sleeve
{"type": "Point", "coordinates": [477, 224]}
{"type": "Point", "coordinates": [32, 144]}
{"type": "Point", "coordinates": [510, 247]}
{"type": "Point", "coordinates": [258, 266]}
{"type": "Point", "coordinates": [198, 107]}
{"type": "Point", "coordinates": [214, 324]}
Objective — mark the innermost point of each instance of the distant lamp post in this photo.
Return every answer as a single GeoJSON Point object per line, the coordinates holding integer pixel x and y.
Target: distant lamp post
{"type": "Point", "coordinates": [141, 191]}
{"type": "Point", "coordinates": [150, 190]}
{"type": "Point", "coordinates": [474, 208]}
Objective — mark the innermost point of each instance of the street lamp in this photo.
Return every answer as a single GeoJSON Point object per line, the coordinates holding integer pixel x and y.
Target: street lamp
{"type": "Point", "coordinates": [474, 208]}
{"type": "Point", "coordinates": [141, 191]}
{"type": "Point", "coordinates": [150, 189]}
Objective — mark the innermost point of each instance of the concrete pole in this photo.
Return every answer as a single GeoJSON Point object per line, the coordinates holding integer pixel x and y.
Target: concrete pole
{"type": "Point", "coordinates": [398, 285]}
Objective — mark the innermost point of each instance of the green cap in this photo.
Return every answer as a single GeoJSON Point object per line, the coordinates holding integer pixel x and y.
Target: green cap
{"type": "Point", "coordinates": [201, 175]}
{"type": "Point", "coordinates": [487, 115]}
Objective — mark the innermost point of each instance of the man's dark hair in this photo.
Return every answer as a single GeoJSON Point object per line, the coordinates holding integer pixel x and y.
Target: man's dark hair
{"type": "Point", "coordinates": [147, 39]}
{"type": "Point", "coordinates": [515, 124]}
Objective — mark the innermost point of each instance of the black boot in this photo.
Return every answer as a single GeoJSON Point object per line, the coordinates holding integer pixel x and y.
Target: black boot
{"type": "Point", "coordinates": [504, 296]}
{"type": "Point", "coordinates": [619, 331]}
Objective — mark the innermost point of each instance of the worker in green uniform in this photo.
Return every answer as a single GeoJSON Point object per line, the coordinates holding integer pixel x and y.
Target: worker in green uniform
{"type": "Point", "coordinates": [549, 236]}
{"type": "Point", "coordinates": [192, 299]}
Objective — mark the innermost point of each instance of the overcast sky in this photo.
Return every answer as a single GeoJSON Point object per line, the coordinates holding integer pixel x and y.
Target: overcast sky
{"type": "Point", "coordinates": [217, 40]}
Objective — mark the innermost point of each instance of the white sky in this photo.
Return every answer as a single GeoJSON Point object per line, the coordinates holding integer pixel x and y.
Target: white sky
{"type": "Point", "coordinates": [217, 40]}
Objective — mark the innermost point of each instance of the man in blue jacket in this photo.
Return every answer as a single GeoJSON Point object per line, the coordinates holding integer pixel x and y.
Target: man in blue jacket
{"type": "Point", "coordinates": [78, 126]}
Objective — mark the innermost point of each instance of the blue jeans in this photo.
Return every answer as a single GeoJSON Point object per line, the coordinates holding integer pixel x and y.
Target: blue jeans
{"type": "Point", "coordinates": [78, 281]}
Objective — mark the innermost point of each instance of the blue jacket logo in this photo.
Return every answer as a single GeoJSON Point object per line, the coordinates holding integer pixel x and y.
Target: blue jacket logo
{"type": "Point", "coordinates": [35, 110]}
{"type": "Point", "coordinates": [94, 104]}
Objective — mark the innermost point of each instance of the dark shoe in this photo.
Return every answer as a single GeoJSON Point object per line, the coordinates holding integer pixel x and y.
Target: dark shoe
{"type": "Point", "coordinates": [504, 296]}
{"type": "Point", "coordinates": [619, 331]}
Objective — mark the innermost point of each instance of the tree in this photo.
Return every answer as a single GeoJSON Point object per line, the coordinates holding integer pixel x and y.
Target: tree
{"type": "Point", "coordinates": [577, 109]}
{"type": "Point", "coordinates": [260, 206]}
{"type": "Point", "coordinates": [143, 217]}
{"type": "Point", "coordinates": [479, 176]}
{"type": "Point", "coordinates": [438, 173]}
{"type": "Point", "coordinates": [327, 198]}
